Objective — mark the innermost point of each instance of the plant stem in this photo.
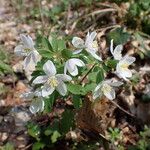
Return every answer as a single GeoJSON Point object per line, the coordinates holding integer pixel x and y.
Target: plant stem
{"type": "Point", "coordinates": [87, 73]}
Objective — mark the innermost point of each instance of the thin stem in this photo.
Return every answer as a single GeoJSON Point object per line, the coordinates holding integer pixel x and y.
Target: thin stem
{"type": "Point", "coordinates": [42, 18]}
{"type": "Point", "coordinates": [87, 73]}
{"type": "Point", "coordinates": [123, 109]}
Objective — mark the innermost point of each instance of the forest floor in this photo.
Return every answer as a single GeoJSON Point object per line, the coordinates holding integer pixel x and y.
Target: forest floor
{"type": "Point", "coordinates": [128, 113]}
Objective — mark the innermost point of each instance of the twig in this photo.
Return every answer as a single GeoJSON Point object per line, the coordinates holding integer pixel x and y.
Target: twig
{"type": "Point", "coordinates": [91, 14]}
{"type": "Point", "coordinates": [87, 73]}
{"type": "Point", "coordinates": [28, 146]}
{"type": "Point", "coordinates": [101, 11]}
{"type": "Point", "coordinates": [42, 18]}
{"type": "Point", "coordinates": [123, 109]}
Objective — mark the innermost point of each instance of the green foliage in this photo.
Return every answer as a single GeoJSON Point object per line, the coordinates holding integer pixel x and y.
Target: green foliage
{"type": "Point", "coordinates": [4, 63]}
{"type": "Point", "coordinates": [137, 16]}
{"type": "Point", "coordinates": [38, 146]}
{"type": "Point", "coordinates": [67, 121]}
{"type": "Point", "coordinates": [48, 135]}
{"type": "Point", "coordinates": [119, 36]}
{"type": "Point", "coordinates": [34, 130]}
{"type": "Point", "coordinates": [8, 146]}
{"type": "Point", "coordinates": [144, 141]}
{"type": "Point", "coordinates": [143, 51]}
{"type": "Point", "coordinates": [77, 101]}
{"type": "Point", "coordinates": [114, 134]}
{"type": "Point", "coordinates": [76, 89]}
{"type": "Point", "coordinates": [49, 102]}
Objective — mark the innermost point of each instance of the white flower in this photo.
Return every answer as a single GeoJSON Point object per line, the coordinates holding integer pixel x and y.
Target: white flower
{"type": "Point", "coordinates": [122, 67]}
{"type": "Point", "coordinates": [27, 49]}
{"type": "Point", "coordinates": [117, 51]}
{"type": "Point", "coordinates": [71, 66]}
{"type": "Point", "coordinates": [37, 104]}
{"type": "Point", "coordinates": [52, 80]}
{"type": "Point", "coordinates": [90, 45]}
{"type": "Point", "coordinates": [106, 88]}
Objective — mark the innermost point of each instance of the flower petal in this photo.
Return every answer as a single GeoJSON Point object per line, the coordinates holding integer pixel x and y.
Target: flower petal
{"type": "Point", "coordinates": [30, 41]}
{"type": "Point", "coordinates": [27, 95]}
{"type": "Point", "coordinates": [27, 61]}
{"type": "Point", "coordinates": [49, 68]}
{"type": "Point", "coordinates": [123, 73]}
{"type": "Point", "coordinates": [111, 47]}
{"type": "Point", "coordinates": [73, 72]}
{"type": "Point", "coordinates": [77, 51]}
{"type": "Point", "coordinates": [117, 52]}
{"type": "Point", "coordinates": [128, 59]}
{"type": "Point", "coordinates": [96, 56]}
{"type": "Point", "coordinates": [113, 82]}
{"type": "Point", "coordinates": [63, 77]}
{"type": "Point", "coordinates": [19, 50]}
{"type": "Point", "coordinates": [35, 56]}
{"type": "Point", "coordinates": [40, 79]}
{"type": "Point", "coordinates": [110, 95]}
{"type": "Point", "coordinates": [70, 67]}
{"type": "Point", "coordinates": [78, 62]}
{"type": "Point", "coordinates": [116, 84]}
{"type": "Point", "coordinates": [27, 41]}
{"type": "Point", "coordinates": [77, 42]}
{"type": "Point", "coordinates": [97, 92]}
{"type": "Point", "coordinates": [61, 88]}
{"type": "Point", "coordinates": [90, 37]}
{"type": "Point", "coordinates": [36, 106]}
{"type": "Point", "coordinates": [47, 90]}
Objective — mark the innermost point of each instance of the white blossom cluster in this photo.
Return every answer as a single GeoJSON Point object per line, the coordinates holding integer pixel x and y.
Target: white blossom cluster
{"type": "Point", "coordinates": [52, 81]}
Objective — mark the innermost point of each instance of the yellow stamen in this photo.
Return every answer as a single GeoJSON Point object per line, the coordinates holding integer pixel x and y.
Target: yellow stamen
{"type": "Point", "coordinates": [94, 44]}
{"type": "Point", "coordinates": [124, 66]}
{"type": "Point", "coordinates": [106, 88]}
{"type": "Point", "coordinates": [27, 49]}
{"type": "Point", "coordinates": [53, 82]}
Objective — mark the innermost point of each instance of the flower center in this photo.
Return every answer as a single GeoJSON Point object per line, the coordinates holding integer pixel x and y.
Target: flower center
{"type": "Point", "coordinates": [53, 82]}
{"type": "Point", "coordinates": [106, 88]}
{"type": "Point", "coordinates": [94, 44]}
{"type": "Point", "coordinates": [27, 49]}
{"type": "Point", "coordinates": [124, 66]}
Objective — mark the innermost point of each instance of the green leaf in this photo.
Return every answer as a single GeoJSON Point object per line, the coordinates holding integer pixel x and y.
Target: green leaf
{"type": "Point", "coordinates": [66, 53]}
{"type": "Point", "coordinates": [46, 53]}
{"type": "Point", "coordinates": [57, 44]}
{"type": "Point", "coordinates": [100, 76]}
{"type": "Point", "coordinates": [46, 44]}
{"type": "Point", "coordinates": [33, 130]}
{"type": "Point", "coordinates": [54, 44]}
{"type": "Point", "coordinates": [49, 102]}
{"type": "Point", "coordinates": [61, 44]}
{"type": "Point", "coordinates": [92, 76]}
{"type": "Point", "coordinates": [89, 87]}
{"type": "Point", "coordinates": [38, 145]}
{"type": "Point", "coordinates": [118, 35]}
{"type": "Point", "coordinates": [55, 136]}
{"type": "Point", "coordinates": [5, 68]}
{"type": "Point", "coordinates": [111, 63]}
{"type": "Point", "coordinates": [75, 89]}
{"type": "Point", "coordinates": [48, 131]}
{"type": "Point", "coordinates": [77, 101]}
{"type": "Point", "coordinates": [67, 121]}
{"type": "Point", "coordinates": [134, 10]}
{"type": "Point", "coordinates": [8, 146]}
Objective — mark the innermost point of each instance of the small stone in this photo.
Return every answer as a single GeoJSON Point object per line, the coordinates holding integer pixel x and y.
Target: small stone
{"type": "Point", "coordinates": [2, 102]}
{"type": "Point", "coordinates": [20, 86]}
{"type": "Point", "coordinates": [4, 136]}
{"type": "Point", "coordinates": [1, 119]}
{"type": "Point", "coordinates": [18, 67]}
